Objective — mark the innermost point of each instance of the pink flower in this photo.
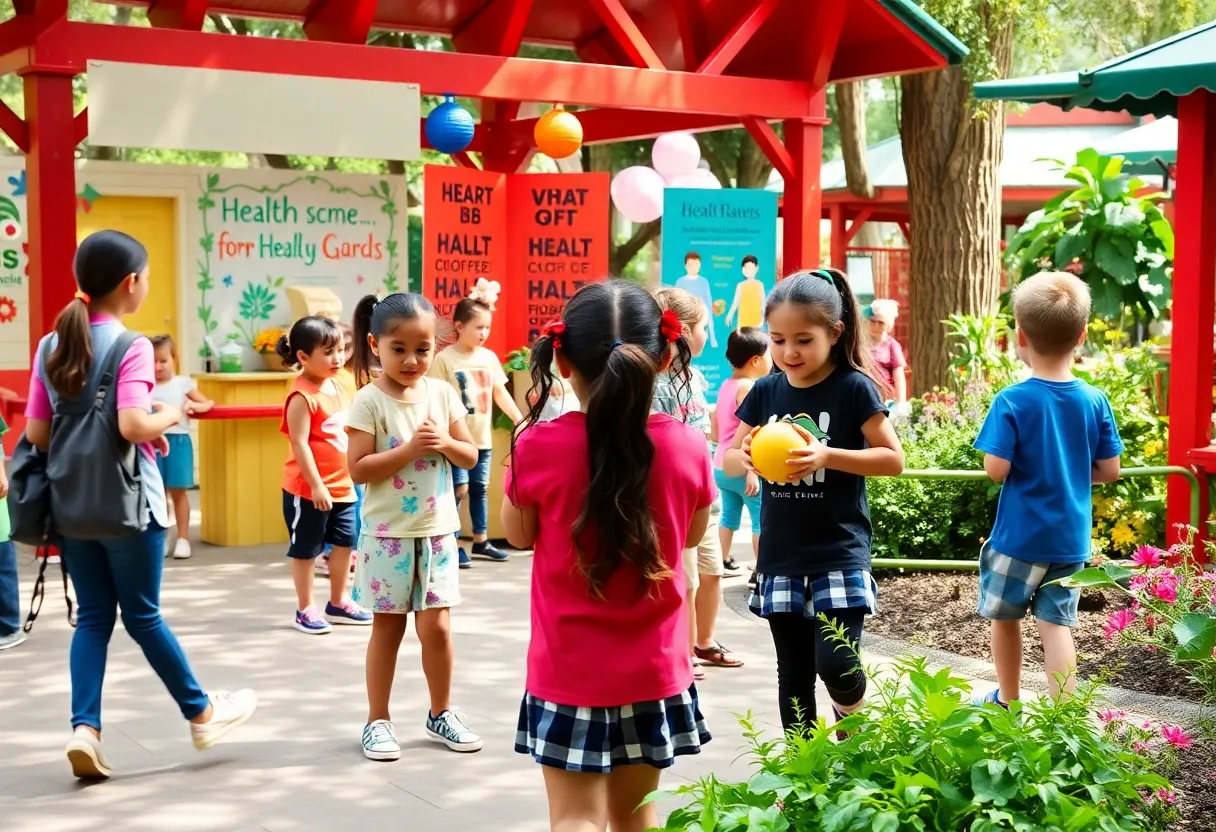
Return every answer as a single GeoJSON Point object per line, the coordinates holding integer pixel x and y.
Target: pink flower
{"type": "Point", "coordinates": [1140, 747]}
{"type": "Point", "coordinates": [1166, 591]}
{"type": "Point", "coordinates": [1139, 583]}
{"type": "Point", "coordinates": [1176, 736]}
{"type": "Point", "coordinates": [1147, 556]}
{"type": "Point", "coordinates": [1109, 715]}
{"type": "Point", "coordinates": [1150, 622]}
{"type": "Point", "coordinates": [1119, 621]}
{"type": "Point", "coordinates": [1166, 796]}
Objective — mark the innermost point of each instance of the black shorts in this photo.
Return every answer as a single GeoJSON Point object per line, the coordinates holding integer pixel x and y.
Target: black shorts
{"type": "Point", "coordinates": [310, 529]}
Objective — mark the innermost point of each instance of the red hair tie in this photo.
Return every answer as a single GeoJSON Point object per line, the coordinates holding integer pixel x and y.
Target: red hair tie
{"type": "Point", "coordinates": [553, 331]}
{"type": "Point", "coordinates": [670, 326]}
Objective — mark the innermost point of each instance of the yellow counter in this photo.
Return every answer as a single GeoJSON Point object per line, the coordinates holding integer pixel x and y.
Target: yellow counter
{"type": "Point", "coordinates": [240, 461]}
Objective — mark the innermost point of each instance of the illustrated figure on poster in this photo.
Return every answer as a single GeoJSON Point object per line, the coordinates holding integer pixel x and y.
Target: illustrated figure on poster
{"type": "Point", "coordinates": [749, 297]}
{"type": "Point", "coordinates": [697, 286]}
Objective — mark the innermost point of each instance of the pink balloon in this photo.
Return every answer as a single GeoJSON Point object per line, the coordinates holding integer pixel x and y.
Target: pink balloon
{"type": "Point", "coordinates": [699, 179]}
{"type": "Point", "coordinates": [637, 192]}
{"type": "Point", "coordinates": [675, 154]}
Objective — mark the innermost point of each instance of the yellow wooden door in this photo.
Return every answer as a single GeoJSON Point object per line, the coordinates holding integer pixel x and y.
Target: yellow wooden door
{"type": "Point", "coordinates": [152, 221]}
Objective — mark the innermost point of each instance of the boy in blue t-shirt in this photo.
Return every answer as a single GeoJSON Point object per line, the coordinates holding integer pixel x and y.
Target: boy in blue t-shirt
{"type": "Point", "coordinates": [1048, 439]}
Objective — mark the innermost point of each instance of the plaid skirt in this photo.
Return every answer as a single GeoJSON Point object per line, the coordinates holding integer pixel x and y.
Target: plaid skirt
{"type": "Point", "coordinates": [595, 740]}
{"type": "Point", "coordinates": [813, 594]}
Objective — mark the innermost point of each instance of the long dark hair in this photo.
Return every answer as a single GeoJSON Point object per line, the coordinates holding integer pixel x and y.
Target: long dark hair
{"type": "Point", "coordinates": [611, 335]}
{"type": "Point", "coordinates": [103, 261]}
{"type": "Point", "coordinates": [305, 336]}
{"type": "Point", "coordinates": [377, 316]}
{"type": "Point", "coordinates": [827, 300]}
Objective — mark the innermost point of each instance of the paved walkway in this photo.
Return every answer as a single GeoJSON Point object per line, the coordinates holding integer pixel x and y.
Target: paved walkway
{"type": "Point", "coordinates": [297, 765]}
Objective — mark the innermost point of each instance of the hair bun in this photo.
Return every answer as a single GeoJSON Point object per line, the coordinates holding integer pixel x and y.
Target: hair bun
{"type": "Point", "coordinates": [282, 349]}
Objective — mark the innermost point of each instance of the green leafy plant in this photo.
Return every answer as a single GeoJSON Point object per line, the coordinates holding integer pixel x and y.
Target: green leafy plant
{"type": "Point", "coordinates": [257, 304]}
{"type": "Point", "coordinates": [1104, 230]}
{"type": "Point", "coordinates": [979, 345]}
{"type": "Point", "coordinates": [1172, 608]}
{"type": "Point", "coordinates": [920, 756]}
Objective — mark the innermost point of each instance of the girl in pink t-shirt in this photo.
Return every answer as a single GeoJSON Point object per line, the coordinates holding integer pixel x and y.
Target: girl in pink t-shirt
{"type": "Point", "coordinates": [608, 497]}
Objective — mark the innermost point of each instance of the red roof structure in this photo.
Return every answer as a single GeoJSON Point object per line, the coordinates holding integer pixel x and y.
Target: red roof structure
{"type": "Point", "coordinates": [646, 67]}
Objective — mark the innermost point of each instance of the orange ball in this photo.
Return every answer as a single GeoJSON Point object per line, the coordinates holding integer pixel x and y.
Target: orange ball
{"type": "Point", "coordinates": [558, 134]}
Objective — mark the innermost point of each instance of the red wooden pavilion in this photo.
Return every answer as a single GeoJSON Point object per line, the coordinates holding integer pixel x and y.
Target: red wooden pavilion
{"type": "Point", "coordinates": [647, 67]}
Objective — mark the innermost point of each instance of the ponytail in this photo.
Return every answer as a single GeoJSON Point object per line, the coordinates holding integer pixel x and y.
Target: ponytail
{"type": "Point", "coordinates": [851, 348]}
{"type": "Point", "coordinates": [362, 357]}
{"type": "Point", "coordinates": [70, 364]}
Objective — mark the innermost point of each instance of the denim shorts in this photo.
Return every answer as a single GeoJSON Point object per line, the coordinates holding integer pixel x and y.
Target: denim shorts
{"type": "Point", "coordinates": [1009, 588]}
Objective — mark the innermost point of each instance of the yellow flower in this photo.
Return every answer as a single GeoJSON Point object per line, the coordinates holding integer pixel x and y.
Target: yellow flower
{"type": "Point", "coordinates": [1121, 535]}
{"type": "Point", "coordinates": [267, 339]}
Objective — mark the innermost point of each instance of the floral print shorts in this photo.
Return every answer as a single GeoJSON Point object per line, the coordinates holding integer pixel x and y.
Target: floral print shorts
{"type": "Point", "coordinates": [406, 574]}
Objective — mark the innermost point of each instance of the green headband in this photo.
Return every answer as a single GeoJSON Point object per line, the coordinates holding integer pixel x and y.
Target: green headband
{"type": "Point", "coordinates": [824, 274]}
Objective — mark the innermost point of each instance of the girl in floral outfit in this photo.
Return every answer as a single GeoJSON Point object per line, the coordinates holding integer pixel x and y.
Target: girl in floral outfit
{"type": "Point", "coordinates": [406, 432]}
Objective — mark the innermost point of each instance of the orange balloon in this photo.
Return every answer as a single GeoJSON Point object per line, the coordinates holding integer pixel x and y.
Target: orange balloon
{"type": "Point", "coordinates": [558, 134]}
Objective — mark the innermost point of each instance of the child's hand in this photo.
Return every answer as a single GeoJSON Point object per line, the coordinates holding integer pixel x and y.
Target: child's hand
{"type": "Point", "coordinates": [3, 482]}
{"type": "Point", "coordinates": [746, 447]}
{"type": "Point", "coordinates": [427, 440]}
{"type": "Point", "coordinates": [321, 499]}
{"type": "Point", "coordinates": [160, 445]}
{"type": "Point", "coordinates": [751, 486]}
{"type": "Point", "coordinates": [167, 410]}
{"type": "Point", "coordinates": [805, 461]}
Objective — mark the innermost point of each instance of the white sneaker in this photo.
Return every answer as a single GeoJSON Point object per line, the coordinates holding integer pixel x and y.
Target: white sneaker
{"type": "Point", "coordinates": [380, 741]}
{"type": "Point", "coordinates": [12, 640]}
{"type": "Point", "coordinates": [86, 757]}
{"type": "Point", "coordinates": [181, 549]}
{"type": "Point", "coordinates": [450, 729]}
{"type": "Point", "coordinates": [228, 710]}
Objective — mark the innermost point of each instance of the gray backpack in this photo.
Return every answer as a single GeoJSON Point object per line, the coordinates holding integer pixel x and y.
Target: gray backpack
{"type": "Point", "coordinates": [97, 492]}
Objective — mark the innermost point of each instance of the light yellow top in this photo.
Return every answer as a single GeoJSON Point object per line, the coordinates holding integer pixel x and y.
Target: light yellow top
{"type": "Point", "coordinates": [474, 375]}
{"type": "Point", "coordinates": [417, 501]}
{"type": "Point", "coordinates": [751, 303]}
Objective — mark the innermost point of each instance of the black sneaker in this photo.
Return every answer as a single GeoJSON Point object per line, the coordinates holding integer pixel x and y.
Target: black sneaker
{"type": "Point", "coordinates": [751, 580]}
{"type": "Point", "coordinates": [731, 567]}
{"type": "Point", "coordinates": [488, 551]}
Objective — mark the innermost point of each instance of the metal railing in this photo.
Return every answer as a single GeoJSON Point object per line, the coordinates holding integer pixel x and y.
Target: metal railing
{"type": "Point", "coordinates": [973, 565]}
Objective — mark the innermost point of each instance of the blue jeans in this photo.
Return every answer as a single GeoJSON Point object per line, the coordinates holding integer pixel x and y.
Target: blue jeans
{"type": "Point", "coordinates": [478, 480]}
{"type": "Point", "coordinates": [113, 574]}
{"type": "Point", "coordinates": [734, 496]}
{"type": "Point", "coordinates": [10, 595]}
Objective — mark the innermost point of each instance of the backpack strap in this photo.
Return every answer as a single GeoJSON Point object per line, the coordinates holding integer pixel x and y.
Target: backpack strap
{"type": "Point", "coordinates": [39, 594]}
{"type": "Point", "coordinates": [106, 382]}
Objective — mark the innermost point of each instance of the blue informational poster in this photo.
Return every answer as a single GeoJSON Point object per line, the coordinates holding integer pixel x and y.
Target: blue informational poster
{"type": "Point", "coordinates": [721, 246]}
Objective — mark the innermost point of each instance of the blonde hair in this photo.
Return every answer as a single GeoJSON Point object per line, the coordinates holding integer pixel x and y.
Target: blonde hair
{"type": "Point", "coordinates": [884, 310]}
{"type": "Point", "coordinates": [688, 308]}
{"type": "Point", "coordinates": [1052, 308]}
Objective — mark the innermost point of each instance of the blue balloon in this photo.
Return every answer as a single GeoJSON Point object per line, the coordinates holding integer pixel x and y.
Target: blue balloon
{"type": "Point", "coordinates": [449, 127]}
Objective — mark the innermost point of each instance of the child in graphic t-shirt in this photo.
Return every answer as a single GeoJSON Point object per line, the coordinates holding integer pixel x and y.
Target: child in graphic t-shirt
{"type": "Point", "coordinates": [10, 598]}
{"type": "Point", "coordinates": [826, 389]}
{"type": "Point", "coordinates": [318, 494]}
{"type": "Point", "coordinates": [609, 699]}
{"type": "Point", "coordinates": [478, 377]}
{"type": "Point", "coordinates": [177, 465]}
{"type": "Point", "coordinates": [1048, 439]}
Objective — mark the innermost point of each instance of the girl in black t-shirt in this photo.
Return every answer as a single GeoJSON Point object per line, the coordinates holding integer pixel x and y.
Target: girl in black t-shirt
{"type": "Point", "coordinates": [815, 526]}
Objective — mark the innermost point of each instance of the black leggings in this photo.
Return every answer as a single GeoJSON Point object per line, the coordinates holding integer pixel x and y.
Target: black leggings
{"type": "Point", "coordinates": [803, 650]}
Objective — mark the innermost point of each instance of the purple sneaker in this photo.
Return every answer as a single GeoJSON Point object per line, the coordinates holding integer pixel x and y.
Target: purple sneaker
{"type": "Point", "coordinates": [310, 621]}
{"type": "Point", "coordinates": [348, 612]}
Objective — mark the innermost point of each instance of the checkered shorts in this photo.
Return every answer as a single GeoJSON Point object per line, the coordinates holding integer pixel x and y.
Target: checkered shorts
{"type": "Point", "coordinates": [810, 595]}
{"type": "Point", "coordinates": [1010, 587]}
{"type": "Point", "coordinates": [595, 740]}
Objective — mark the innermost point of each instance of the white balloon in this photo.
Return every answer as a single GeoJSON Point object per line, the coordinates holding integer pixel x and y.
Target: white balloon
{"type": "Point", "coordinates": [699, 179]}
{"type": "Point", "coordinates": [637, 192]}
{"type": "Point", "coordinates": [675, 154]}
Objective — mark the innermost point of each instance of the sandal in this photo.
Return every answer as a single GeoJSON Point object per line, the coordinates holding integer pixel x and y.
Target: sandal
{"type": "Point", "coordinates": [698, 672]}
{"type": "Point", "coordinates": [718, 656]}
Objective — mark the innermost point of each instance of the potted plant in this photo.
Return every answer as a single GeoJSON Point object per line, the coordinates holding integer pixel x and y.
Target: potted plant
{"type": "Point", "coordinates": [264, 344]}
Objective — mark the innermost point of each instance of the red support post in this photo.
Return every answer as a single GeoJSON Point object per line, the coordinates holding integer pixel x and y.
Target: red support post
{"type": "Point", "coordinates": [768, 140]}
{"type": "Point", "coordinates": [51, 187]}
{"type": "Point", "coordinates": [1194, 294]}
{"type": "Point", "coordinates": [626, 33]}
{"type": "Point", "coordinates": [739, 35]}
{"type": "Point", "coordinates": [692, 32]}
{"type": "Point", "coordinates": [839, 245]}
{"type": "Point", "coordinates": [497, 29]}
{"type": "Point", "coordinates": [803, 204]}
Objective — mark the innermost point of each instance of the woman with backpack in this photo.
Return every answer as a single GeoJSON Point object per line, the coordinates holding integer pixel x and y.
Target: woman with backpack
{"type": "Point", "coordinates": [115, 558]}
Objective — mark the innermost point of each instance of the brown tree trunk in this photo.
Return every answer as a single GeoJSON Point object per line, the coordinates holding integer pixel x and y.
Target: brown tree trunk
{"type": "Point", "coordinates": [851, 117]}
{"type": "Point", "coordinates": [952, 152]}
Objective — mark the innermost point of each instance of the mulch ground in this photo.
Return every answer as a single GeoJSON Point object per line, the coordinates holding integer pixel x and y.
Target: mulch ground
{"type": "Point", "coordinates": [938, 610]}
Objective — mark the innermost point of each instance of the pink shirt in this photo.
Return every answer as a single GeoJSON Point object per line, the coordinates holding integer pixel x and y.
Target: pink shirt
{"type": "Point", "coordinates": [727, 421]}
{"type": "Point", "coordinates": [622, 649]}
{"type": "Point", "coordinates": [136, 378]}
{"type": "Point", "coordinates": [888, 357]}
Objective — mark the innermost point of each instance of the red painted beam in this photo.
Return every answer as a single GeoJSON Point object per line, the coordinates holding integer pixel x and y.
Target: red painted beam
{"type": "Point", "coordinates": [80, 125]}
{"type": "Point", "coordinates": [497, 29]}
{"type": "Point", "coordinates": [16, 33]}
{"type": "Point", "coordinates": [820, 49]}
{"type": "Point", "coordinates": [15, 128]}
{"type": "Point", "coordinates": [858, 221]}
{"type": "Point", "coordinates": [692, 31]}
{"type": "Point", "coordinates": [768, 140]}
{"type": "Point", "coordinates": [178, 14]}
{"type": "Point", "coordinates": [739, 35]}
{"type": "Point", "coordinates": [627, 34]}
{"type": "Point", "coordinates": [480, 76]}
{"type": "Point", "coordinates": [1194, 294]}
{"type": "Point", "coordinates": [464, 160]}
{"type": "Point", "coordinates": [341, 21]}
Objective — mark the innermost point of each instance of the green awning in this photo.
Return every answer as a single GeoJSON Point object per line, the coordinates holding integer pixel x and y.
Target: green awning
{"type": "Point", "coordinates": [929, 30]}
{"type": "Point", "coordinates": [1148, 81]}
{"type": "Point", "coordinates": [1147, 148]}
